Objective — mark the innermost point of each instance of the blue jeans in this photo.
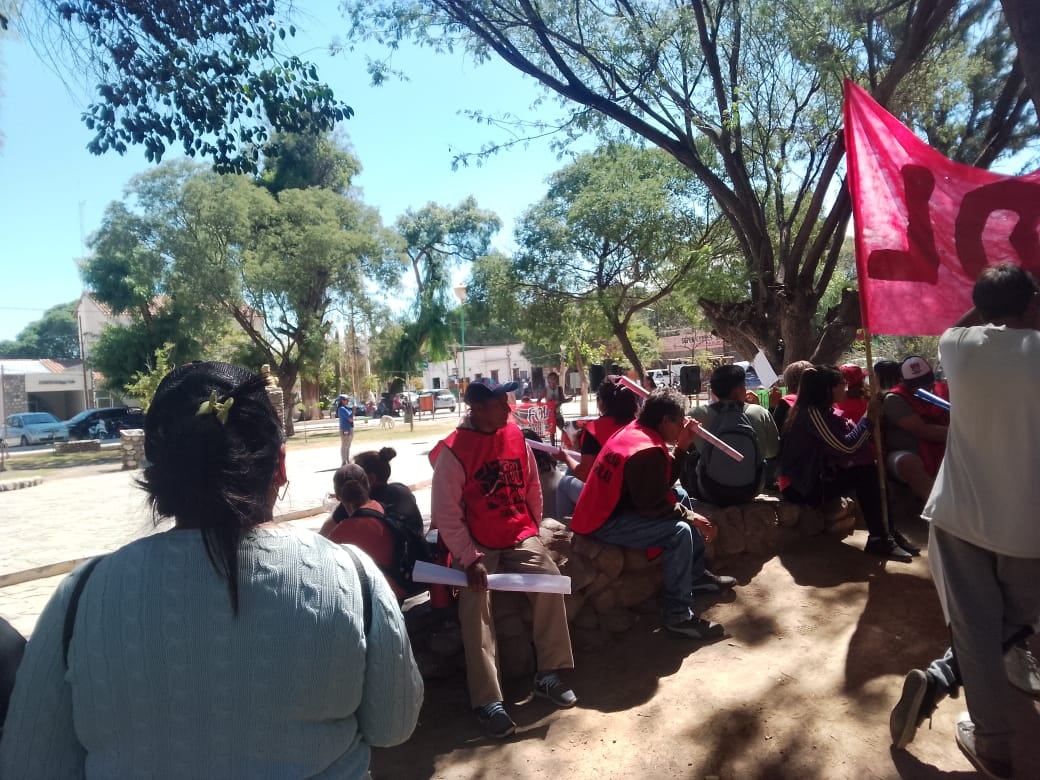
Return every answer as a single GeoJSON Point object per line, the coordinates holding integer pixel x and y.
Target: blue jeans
{"type": "Point", "coordinates": [683, 554]}
{"type": "Point", "coordinates": [567, 492]}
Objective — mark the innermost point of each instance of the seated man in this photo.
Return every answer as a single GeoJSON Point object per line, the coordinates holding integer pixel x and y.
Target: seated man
{"type": "Point", "coordinates": [487, 504]}
{"type": "Point", "coordinates": [628, 500]}
{"type": "Point", "coordinates": [749, 428]}
{"type": "Point", "coordinates": [915, 430]}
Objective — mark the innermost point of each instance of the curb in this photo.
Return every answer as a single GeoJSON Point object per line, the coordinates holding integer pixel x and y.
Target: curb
{"type": "Point", "coordinates": [18, 484]}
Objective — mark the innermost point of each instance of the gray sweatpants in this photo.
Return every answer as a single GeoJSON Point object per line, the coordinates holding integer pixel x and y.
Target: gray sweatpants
{"type": "Point", "coordinates": [989, 597]}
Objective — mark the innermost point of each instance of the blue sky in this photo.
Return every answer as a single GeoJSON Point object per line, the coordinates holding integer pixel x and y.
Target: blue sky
{"type": "Point", "coordinates": [405, 134]}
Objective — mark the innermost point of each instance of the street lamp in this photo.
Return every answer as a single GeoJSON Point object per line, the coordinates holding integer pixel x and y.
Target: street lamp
{"type": "Point", "coordinates": [460, 293]}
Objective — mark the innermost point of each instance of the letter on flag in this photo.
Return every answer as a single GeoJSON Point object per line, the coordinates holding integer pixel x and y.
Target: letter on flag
{"type": "Point", "coordinates": [926, 225]}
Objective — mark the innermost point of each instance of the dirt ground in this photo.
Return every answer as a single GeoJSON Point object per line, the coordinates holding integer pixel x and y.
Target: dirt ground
{"type": "Point", "coordinates": [818, 641]}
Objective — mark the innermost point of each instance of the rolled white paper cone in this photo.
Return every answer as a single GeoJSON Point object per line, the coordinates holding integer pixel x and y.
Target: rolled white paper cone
{"type": "Point", "coordinates": [639, 389]}
{"type": "Point", "coordinates": [541, 445]}
{"type": "Point", "coordinates": [715, 441]}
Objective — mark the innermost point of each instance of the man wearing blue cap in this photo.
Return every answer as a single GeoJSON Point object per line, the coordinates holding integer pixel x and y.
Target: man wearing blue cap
{"type": "Point", "coordinates": [487, 506]}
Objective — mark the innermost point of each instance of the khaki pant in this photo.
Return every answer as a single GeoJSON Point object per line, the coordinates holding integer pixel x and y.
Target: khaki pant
{"type": "Point", "coordinates": [345, 437]}
{"type": "Point", "coordinates": [552, 639]}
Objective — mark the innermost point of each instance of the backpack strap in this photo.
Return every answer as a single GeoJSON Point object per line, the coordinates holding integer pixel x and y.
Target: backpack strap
{"type": "Point", "coordinates": [366, 587]}
{"type": "Point", "coordinates": [70, 611]}
{"type": "Point", "coordinates": [369, 513]}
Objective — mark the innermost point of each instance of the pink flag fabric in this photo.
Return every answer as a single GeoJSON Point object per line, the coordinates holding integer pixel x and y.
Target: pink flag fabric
{"type": "Point", "coordinates": [925, 225]}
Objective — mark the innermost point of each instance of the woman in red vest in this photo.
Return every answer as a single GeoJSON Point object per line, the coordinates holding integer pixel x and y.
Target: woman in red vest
{"type": "Point", "coordinates": [618, 405]}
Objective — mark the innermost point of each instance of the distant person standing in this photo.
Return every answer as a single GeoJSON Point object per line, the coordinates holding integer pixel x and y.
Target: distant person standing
{"type": "Point", "coordinates": [345, 413]}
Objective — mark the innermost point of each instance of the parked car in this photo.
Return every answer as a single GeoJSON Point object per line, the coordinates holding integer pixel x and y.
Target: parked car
{"type": "Point", "coordinates": [104, 423]}
{"type": "Point", "coordinates": [33, 428]}
{"type": "Point", "coordinates": [442, 399]}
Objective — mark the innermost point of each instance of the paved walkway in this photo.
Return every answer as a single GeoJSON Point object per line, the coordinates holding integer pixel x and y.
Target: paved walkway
{"type": "Point", "coordinates": [67, 519]}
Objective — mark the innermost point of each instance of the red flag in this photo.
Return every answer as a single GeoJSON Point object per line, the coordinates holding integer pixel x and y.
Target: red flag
{"type": "Point", "coordinates": [925, 225]}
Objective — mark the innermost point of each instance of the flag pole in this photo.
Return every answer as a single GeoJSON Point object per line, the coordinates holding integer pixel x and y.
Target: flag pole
{"type": "Point", "coordinates": [879, 449]}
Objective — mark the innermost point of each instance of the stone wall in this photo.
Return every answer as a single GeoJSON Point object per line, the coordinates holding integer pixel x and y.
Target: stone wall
{"type": "Point", "coordinates": [16, 399]}
{"type": "Point", "coordinates": [80, 445]}
{"type": "Point", "coordinates": [611, 586]}
{"type": "Point", "coordinates": [131, 445]}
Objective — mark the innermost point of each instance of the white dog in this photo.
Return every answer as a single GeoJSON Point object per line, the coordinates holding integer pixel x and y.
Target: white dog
{"type": "Point", "coordinates": [386, 422]}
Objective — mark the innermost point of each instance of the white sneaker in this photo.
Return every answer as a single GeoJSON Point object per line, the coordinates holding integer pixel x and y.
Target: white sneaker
{"type": "Point", "coordinates": [1022, 670]}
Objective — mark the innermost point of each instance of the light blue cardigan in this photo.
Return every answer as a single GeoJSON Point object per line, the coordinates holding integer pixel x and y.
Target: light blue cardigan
{"type": "Point", "coordinates": [164, 682]}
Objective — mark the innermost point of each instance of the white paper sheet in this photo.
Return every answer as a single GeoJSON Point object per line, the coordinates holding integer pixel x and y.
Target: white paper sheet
{"type": "Point", "coordinates": [765, 371]}
{"type": "Point", "coordinates": [525, 583]}
{"type": "Point", "coordinates": [541, 445]}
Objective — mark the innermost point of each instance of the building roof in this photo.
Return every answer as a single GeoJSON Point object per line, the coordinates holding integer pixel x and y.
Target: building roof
{"type": "Point", "coordinates": [36, 366]}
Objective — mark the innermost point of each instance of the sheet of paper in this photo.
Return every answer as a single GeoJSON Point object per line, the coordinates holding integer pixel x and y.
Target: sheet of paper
{"type": "Point", "coordinates": [541, 445]}
{"type": "Point", "coordinates": [525, 583]}
{"type": "Point", "coordinates": [765, 371]}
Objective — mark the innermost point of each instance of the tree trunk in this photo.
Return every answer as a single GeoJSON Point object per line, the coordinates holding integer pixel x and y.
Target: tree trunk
{"type": "Point", "coordinates": [1023, 18]}
{"type": "Point", "coordinates": [579, 364]}
{"type": "Point", "coordinates": [311, 391]}
{"type": "Point", "coordinates": [621, 333]}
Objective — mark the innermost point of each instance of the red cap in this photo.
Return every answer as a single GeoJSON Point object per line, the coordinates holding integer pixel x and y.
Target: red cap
{"type": "Point", "coordinates": [853, 374]}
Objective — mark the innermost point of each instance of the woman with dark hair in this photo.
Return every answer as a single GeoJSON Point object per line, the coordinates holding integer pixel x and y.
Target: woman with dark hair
{"type": "Point", "coordinates": [826, 455]}
{"type": "Point", "coordinates": [618, 406]}
{"type": "Point", "coordinates": [395, 497]}
{"type": "Point", "coordinates": [228, 646]}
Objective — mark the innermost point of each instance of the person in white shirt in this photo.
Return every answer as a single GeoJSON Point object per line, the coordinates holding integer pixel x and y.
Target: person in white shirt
{"type": "Point", "coordinates": [985, 540]}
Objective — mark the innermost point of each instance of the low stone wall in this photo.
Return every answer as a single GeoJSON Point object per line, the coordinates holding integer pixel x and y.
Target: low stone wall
{"type": "Point", "coordinates": [611, 586]}
{"type": "Point", "coordinates": [83, 445]}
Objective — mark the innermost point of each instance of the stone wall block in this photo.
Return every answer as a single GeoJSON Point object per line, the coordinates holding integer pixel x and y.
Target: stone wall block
{"type": "Point", "coordinates": [636, 560]}
{"type": "Point", "coordinates": [587, 546]}
{"type": "Point", "coordinates": [574, 603]}
{"type": "Point", "coordinates": [604, 601]}
{"type": "Point", "coordinates": [633, 589]}
{"type": "Point", "coordinates": [611, 561]}
{"type": "Point", "coordinates": [581, 570]}
{"type": "Point", "coordinates": [515, 657]}
{"type": "Point", "coordinates": [732, 535]}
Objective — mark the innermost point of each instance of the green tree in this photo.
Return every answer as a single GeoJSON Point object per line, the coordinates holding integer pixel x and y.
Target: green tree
{"type": "Point", "coordinates": [210, 75]}
{"type": "Point", "coordinates": [622, 228]}
{"type": "Point", "coordinates": [437, 240]}
{"type": "Point", "coordinates": [145, 383]}
{"type": "Point", "coordinates": [224, 247]}
{"type": "Point", "coordinates": [55, 335]}
{"type": "Point", "coordinates": [747, 96]}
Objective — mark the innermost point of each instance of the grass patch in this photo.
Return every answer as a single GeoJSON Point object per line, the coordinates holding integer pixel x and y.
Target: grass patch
{"type": "Point", "coordinates": [47, 460]}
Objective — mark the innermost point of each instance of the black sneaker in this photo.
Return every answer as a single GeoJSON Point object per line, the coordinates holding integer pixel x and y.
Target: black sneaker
{"type": "Point", "coordinates": [886, 547]}
{"type": "Point", "coordinates": [713, 583]}
{"type": "Point", "coordinates": [915, 705]}
{"type": "Point", "coordinates": [549, 686]}
{"type": "Point", "coordinates": [697, 628]}
{"type": "Point", "coordinates": [906, 544]}
{"type": "Point", "coordinates": [495, 720]}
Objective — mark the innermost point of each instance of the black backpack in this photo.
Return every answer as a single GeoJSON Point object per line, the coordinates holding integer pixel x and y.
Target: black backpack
{"type": "Point", "coordinates": [721, 479]}
{"type": "Point", "coordinates": [409, 547]}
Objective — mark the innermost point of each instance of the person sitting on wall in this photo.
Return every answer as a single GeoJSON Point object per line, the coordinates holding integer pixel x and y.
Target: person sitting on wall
{"type": "Point", "coordinates": [915, 430]}
{"type": "Point", "coordinates": [618, 405]}
{"type": "Point", "coordinates": [823, 457]}
{"type": "Point", "coordinates": [629, 501]}
{"type": "Point", "coordinates": [487, 506]}
{"type": "Point", "coordinates": [713, 476]}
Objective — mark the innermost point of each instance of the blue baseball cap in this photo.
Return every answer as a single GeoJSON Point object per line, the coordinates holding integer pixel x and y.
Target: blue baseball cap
{"type": "Point", "coordinates": [486, 389]}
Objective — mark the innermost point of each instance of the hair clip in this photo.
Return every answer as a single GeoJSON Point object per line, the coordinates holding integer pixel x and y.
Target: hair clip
{"type": "Point", "coordinates": [213, 406]}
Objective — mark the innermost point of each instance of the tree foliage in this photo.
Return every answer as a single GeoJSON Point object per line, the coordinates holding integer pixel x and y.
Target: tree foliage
{"type": "Point", "coordinates": [437, 240]}
{"type": "Point", "coordinates": [747, 96]}
{"type": "Point", "coordinates": [55, 335]}
{"type": "Point", "coordinates": [621, 228]}
{"type": "Point", "coordinates": [226, 249]}
{"type": "Point", "coordinates": [211, 76]}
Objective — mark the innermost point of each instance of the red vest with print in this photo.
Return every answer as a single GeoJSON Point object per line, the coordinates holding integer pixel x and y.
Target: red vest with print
{"type": "Point", "coordinates": [602, 490]}
{"type": "Point", "coordinates": [602, 428]}
{"type": "Point", "coordinates": [495, 493]}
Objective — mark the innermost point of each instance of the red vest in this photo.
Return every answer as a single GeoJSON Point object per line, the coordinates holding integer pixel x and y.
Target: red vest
{"type": "Point", "coordinates": [602, 428]}
{"type": "Point", "coordinates": [602, 490]}
{"type": "Point", "coordinates": [495, 493]}
{"type": "Point", "coordinates": [931, 452]}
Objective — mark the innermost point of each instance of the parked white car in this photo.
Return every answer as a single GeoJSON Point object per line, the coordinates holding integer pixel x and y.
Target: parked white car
{"type": "Point", "coordinates": [33, 428]}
